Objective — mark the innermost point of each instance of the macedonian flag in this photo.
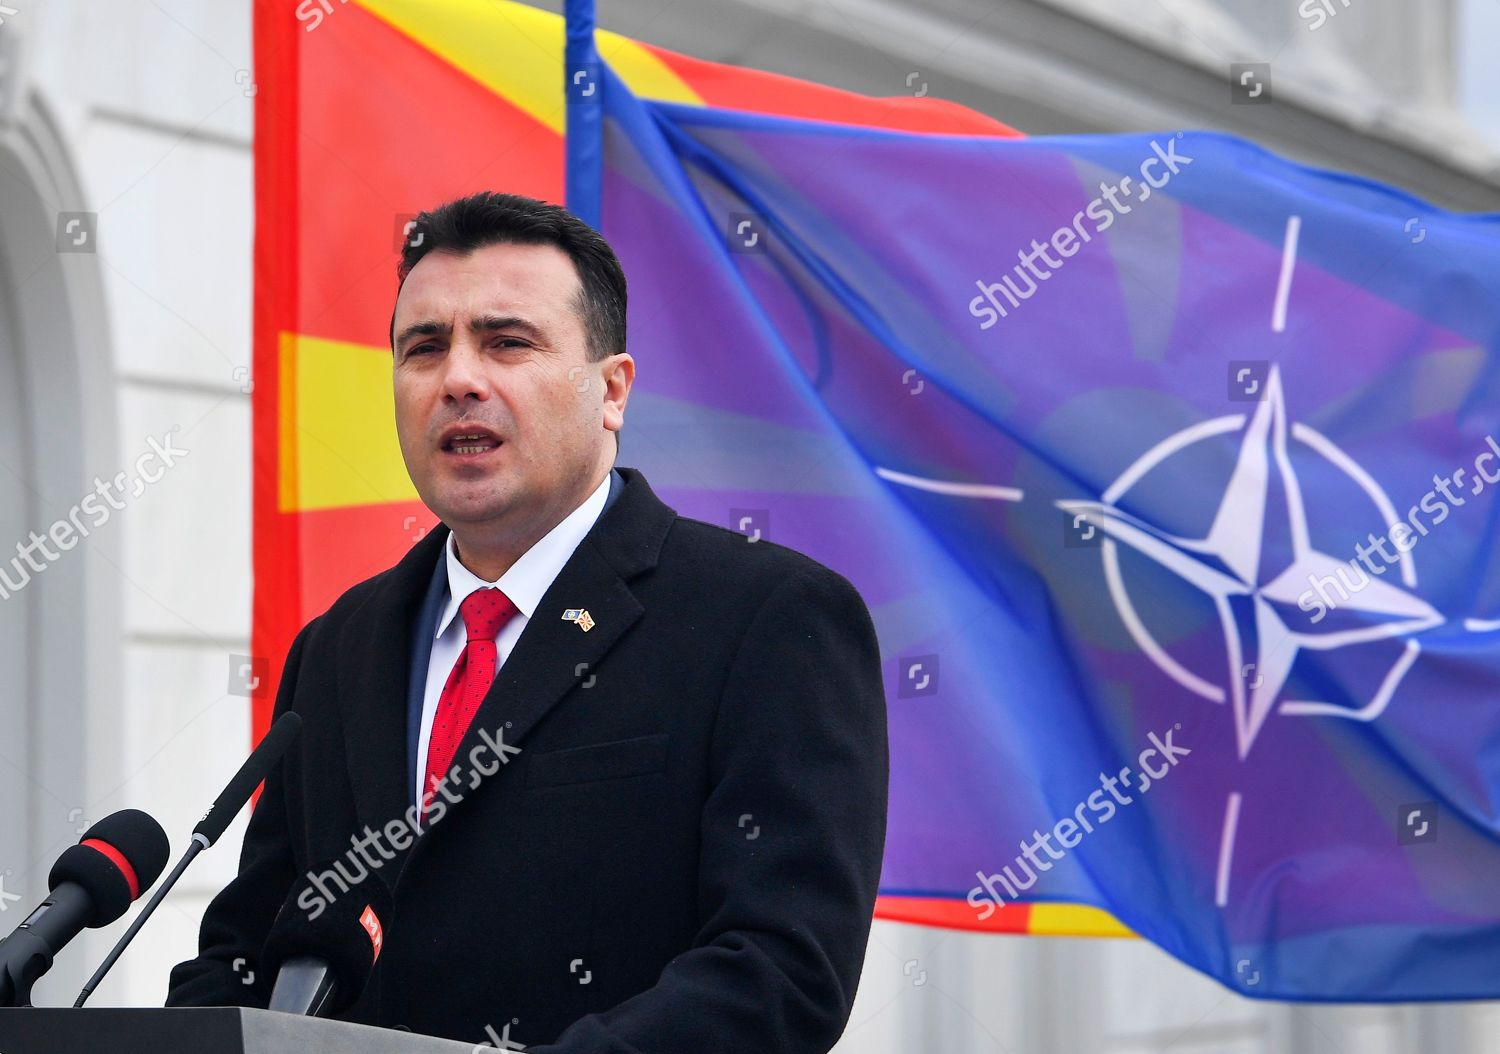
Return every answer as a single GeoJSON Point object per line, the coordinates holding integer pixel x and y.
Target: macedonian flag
{"type": "Point", "coordinates": [368, 112]}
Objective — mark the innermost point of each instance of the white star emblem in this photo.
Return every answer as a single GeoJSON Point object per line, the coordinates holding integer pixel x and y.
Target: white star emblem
{"type": "Point", "coordinates": [1226, 563]}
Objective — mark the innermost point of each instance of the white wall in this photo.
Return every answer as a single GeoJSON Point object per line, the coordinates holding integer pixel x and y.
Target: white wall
{"type": "Point", "coordinates": [1479, 74]}
{"type": "Point", "coordinates": [157, 127]}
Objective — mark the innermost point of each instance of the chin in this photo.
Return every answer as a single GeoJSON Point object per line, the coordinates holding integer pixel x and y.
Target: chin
{"type": "Point", "coordinates": [463, 505]}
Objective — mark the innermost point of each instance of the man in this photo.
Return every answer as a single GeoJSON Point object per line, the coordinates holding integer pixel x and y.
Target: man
{"type": "Point", "coordinates": [663, 816]}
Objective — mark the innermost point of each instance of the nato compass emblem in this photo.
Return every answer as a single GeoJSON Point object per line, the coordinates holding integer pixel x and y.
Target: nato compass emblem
{"type": "Point", "coordinates": [1226, 566]}
{"type": "Point", "coordinates": [1226, 563]}
{"type": "Point", "coordinates": [1263, 495]}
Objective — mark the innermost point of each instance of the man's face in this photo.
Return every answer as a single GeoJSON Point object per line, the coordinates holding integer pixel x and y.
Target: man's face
{"type": "Point", "coordinates": [502, 418]}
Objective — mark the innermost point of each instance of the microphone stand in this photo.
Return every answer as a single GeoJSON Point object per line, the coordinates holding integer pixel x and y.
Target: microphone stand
{"type": "Point", "coordinates": [199, 844]}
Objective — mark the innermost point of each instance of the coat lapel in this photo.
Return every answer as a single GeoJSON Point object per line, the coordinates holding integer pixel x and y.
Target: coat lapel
{"type": "Point", "coordinates": [373, 677]}
{"type": "Point", "coordinates": [550, 656]}
{"type": "Point", "coordinates": [553, 654]}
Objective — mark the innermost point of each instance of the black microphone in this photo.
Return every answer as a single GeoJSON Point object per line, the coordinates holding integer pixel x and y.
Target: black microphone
{"type": "Point", "coordinates": [218, 818]}
{"type": "Point", "coordinates": [323, 950]}
{"type": "Point", "coordinates": [255, 769]}
{"type": "Point", "coordinates": [92, 884]}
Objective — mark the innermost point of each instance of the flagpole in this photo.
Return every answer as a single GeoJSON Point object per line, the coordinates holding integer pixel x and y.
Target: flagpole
{"type": "Point", "coordinates": [583, 88]}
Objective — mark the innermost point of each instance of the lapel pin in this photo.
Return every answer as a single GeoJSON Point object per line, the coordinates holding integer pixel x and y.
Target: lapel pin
{"type": "Point", "coordinates": [581, 616]}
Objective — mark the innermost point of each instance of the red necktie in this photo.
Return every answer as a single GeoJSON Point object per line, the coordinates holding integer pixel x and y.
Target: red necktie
{"type": "Point", "coordinates": [484, 611]}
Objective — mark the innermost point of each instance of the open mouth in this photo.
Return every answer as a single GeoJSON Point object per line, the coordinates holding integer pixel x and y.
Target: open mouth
{"type": "Point", "coordinates": [473, 443]}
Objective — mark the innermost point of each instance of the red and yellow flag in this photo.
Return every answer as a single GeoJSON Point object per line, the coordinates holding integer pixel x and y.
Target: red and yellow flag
{"type": "Point", "coordinates": [368, 112]}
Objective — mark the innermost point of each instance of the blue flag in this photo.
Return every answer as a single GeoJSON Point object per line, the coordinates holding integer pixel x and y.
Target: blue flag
{"type": "Point", "coordinates": [1169, 469]}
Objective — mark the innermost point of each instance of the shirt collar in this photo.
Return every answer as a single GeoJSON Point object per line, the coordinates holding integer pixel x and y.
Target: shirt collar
{"type": "Point", "coordinates": [531, 575]}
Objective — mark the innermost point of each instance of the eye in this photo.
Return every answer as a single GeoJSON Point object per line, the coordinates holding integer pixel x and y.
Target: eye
{"type": "Point", "coordinates": [418, 350]}
{"type": "Point", "coordinates": [513, 342]}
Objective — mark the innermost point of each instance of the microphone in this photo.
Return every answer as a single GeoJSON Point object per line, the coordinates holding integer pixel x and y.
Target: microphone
{"type": "Point", "coordinates": [218, 818]}
{"type": "Point", "coordinates": [92, 884]}
{"type": "Point", "coordinates": [251, 774]}
{"type": "Point", "coordinates": [323, 951]}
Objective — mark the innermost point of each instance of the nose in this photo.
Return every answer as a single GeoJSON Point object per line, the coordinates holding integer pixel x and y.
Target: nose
{"type": "Point", "coordinates": [464, 375]}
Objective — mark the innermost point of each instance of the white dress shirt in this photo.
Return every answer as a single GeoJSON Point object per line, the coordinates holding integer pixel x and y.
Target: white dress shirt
{"type": "Point", "coordinates": [528, 578]}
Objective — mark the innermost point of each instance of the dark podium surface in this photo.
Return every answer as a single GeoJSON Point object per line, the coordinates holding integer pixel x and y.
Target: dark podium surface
{"type": "Point", "coordinates": [200, 1030]}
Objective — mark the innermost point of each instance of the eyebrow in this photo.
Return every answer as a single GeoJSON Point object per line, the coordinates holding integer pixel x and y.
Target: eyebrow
{"type": "Point", "coordinates": [487, 323]}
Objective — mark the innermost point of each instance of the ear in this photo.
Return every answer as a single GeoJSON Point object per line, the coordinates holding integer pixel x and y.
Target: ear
{"type": "Point", "coordinates": [618, 374]}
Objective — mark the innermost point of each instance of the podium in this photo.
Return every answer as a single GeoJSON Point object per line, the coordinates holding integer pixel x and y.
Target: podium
{"type": "Point", "coordinates": [201, 1030]}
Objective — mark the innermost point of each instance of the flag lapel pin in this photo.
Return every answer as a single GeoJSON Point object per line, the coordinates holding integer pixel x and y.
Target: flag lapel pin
{"type": "Point", "coordinates": [581, 616]}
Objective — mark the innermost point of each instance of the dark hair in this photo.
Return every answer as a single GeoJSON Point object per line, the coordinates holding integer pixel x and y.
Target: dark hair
{"type": "Point", "coordinates": [488, 218]}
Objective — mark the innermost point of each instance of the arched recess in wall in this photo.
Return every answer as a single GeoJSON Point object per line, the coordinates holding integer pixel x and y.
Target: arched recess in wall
{"type": "Point", "coordinates": [61, 656]}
